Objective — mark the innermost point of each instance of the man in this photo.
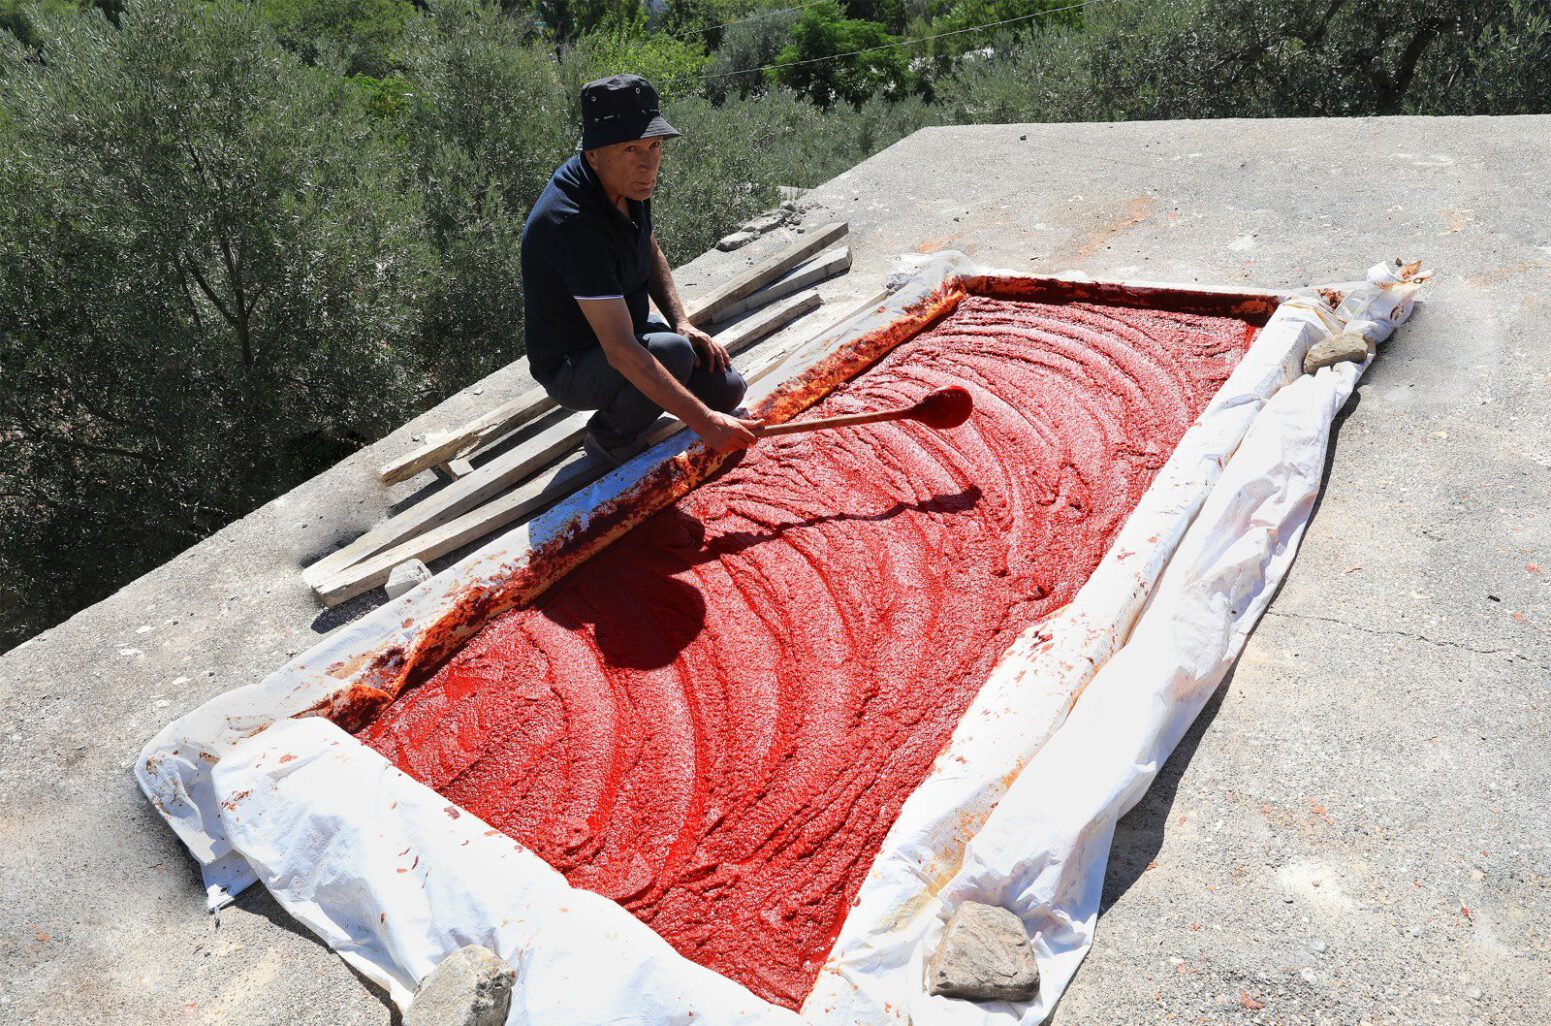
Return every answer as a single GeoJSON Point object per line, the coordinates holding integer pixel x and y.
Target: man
{"type": "Point", "coordinates": [589, 262]}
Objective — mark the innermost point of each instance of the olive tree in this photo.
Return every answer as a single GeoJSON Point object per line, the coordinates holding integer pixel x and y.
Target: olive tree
{"type": "Point", "coordinates": [210, 283]}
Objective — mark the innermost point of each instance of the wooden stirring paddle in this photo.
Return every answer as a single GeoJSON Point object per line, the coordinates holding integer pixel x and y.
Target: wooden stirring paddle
{"type": "Point", "coordinates": [943, 408]}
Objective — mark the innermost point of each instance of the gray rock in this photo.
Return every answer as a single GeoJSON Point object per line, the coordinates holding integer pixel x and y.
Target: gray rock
{"type": "Point", "coordinates": [767, 222]}
{"type": "Point", "coordinates": [985, 955]}
{"type": "Point", "coordinates": [1346, 347]}
{"type": "Point", "coordinates": [790, 193]}
{"type": "Point", "coordinates": [409, 574]}
{"type": "Point", "coordinates": [737, 240]}
{"type": "Point", "coordinates": [471, 987]}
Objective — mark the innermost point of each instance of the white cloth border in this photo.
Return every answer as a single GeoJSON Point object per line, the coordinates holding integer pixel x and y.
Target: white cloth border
{"type": "Point", "coordinates": [296, 840]}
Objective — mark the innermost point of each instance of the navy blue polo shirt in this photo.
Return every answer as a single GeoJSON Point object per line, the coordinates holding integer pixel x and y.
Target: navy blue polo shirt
{"type": "Point", "coordinates": [578, 245]}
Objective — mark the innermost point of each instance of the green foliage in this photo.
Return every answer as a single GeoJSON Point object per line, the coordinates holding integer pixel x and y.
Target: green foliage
{"type": "Point", "coordinates": [674, 66]}
{"type": "Point", "coordinates": [752, 43]}
{"type": "Point", "coordinates": [1248, 58]}
{"type": "Point", "coordinates": [363, 34]}
{"type": "Point", "coordinates": [709, 20]}
{"type": "Point", "coordinates": [490, 123]}
{"type": "Point", "coordinates": [1243, 58]}
{"type": "Point", "coordinates": [384, 97]}
{"type": "Point", "coordinates": [569, 20]}
{"type": "Point", "coordinates": [238, 239]}
{"type": "Point", "coordinates": [1049, 82]}
{"type": "Point", "coordinates": [823, 64]}
{"type": "Point", "coordinates": [1508, 67]}
{"type": "Point", "coordinates": [727, 166]}
{"type": "Point", "coordinates": [209, 289]}
{"type": "Point", "coordinates": [16, 20]}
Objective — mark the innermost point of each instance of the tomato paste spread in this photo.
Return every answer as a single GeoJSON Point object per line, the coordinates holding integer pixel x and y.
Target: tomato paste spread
{"type": "Point", "coordinates": [715, 720]}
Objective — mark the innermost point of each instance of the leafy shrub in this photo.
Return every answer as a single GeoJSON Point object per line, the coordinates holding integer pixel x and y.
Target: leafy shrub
{"type": "Point", "coordinates": [489, 123]}
{"type": "Point", "coordinates": [749, 45]}
{"type": "Point", "coordinates": [1243, 58]}
{"type": "Point", "coordinates": [674, 66]}
{"type": "Point", "coordinates": [832, 57]}
{"type": "Point", "coordinates": [210, 284]}
{"type": "Point", "coordinates": [361, 34]}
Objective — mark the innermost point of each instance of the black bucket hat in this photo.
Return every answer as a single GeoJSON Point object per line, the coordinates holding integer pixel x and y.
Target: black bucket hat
{"type": "Point", "coordinates": [621, 108]}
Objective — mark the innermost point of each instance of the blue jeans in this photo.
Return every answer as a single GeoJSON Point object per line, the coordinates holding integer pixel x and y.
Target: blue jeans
{"type": "Point", "coordinates": [586, 381]}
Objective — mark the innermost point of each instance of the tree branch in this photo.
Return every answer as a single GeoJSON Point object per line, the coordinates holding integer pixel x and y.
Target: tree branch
{"type": "Point", "coordinates": [234, 272]}
{"type": "Point", "coordinates": [105, 450]}
{"type": "Point", "coordinates": [204, 287]}
{"type": "Point", "coordinates": [1392, 89]}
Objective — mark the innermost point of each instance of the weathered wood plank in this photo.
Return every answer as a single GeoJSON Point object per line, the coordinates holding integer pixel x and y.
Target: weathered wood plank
{"type": "Point", "coordinates": [817, 269]}
{"type": "Point", "coordinates": [531, 404]}
{"type": "Point", "coordinates": [508, 468]}
{"type": "Point", "coordinates": [534, 403]}
{"type": "Point", "coordinates": [540, 491]}
{"type": "Point", "coordinates": [710, 307]}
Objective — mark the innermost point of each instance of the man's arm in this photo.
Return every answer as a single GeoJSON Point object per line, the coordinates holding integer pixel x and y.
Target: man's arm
{"type": "Point", "coordinates": [610, 321]}
{"type": "Point", "coordinates": [665, 294]}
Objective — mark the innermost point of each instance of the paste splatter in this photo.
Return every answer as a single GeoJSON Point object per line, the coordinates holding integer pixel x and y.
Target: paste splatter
{"type": "Point", "coordinates": [715, 721]}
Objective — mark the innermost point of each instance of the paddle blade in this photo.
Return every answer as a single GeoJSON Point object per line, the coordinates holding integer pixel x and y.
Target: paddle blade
{"type": "Point", "coordinates": [945, 408]}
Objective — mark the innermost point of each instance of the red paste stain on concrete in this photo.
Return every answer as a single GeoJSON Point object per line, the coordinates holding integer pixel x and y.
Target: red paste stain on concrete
{"type": "Point", "coordinates": [716, 720]}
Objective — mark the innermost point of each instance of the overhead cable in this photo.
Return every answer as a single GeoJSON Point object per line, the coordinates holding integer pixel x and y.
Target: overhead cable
{"type": "Point", "coordinates": [907, 42]}
{"type": "Point", "coordinates": [756, 16]}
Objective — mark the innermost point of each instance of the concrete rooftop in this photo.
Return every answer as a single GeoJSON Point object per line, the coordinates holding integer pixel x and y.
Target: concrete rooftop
{"type": "Point", "coordinates": [1357, 828]}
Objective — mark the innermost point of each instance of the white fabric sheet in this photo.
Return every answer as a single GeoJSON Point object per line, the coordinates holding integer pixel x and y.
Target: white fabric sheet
{"type": "Point", "coordinates": [1019, 810]}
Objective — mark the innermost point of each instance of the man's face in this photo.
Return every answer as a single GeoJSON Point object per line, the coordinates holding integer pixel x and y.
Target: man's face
{"type": "Point", "coordinates": [629, 168]}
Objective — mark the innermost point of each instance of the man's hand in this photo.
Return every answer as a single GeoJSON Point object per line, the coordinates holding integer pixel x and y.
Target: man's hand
{"type": "Point", "coordinates": [709, 353]}
{"type": "Point", "coordinates": [726, 433]}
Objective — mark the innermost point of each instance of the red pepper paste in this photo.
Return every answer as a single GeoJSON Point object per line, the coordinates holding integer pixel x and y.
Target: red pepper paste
{"type": "Point", "coordinates": [715, 720]}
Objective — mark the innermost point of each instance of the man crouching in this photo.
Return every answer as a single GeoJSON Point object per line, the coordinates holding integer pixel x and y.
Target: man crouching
{"type": "Point", "coordinates": [589, 262]}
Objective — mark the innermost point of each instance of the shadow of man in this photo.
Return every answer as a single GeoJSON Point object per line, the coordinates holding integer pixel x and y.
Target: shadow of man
{"type": "Point", "coordinates": [644, 623]}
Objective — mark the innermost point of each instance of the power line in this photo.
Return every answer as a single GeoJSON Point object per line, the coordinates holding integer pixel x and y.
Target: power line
{"type": "Point", "coordinates": [756, 16]}
{"type": "Point", "coordinates": [907, 42]}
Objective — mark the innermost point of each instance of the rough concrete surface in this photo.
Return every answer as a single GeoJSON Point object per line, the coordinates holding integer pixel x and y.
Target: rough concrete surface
{"type": "Point", "coordinates": [1355, 831]}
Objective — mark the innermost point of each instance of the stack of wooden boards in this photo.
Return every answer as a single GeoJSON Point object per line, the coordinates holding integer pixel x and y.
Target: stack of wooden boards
{"type": "Point", "coordinates": [544, 463]}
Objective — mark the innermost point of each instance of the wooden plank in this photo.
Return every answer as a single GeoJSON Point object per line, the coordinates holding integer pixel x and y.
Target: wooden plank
{"type": "Point", "coordinates": [817, 269]}
{"type": "Point", "coordinates": [530, 405]}
{"type": "Point", "coordinates": [768, 322]}
{"type": "Point", "coordinates": [535, 403]}
{"type": "Point", "coordinates": [505, 470]}
{"type": "Point", "coordinates": [779, 358]}
{"type": "Point", "coordinates": [740, 337]}
{"type": "Point", "coordinates": [540, 491]}
{"type": "Point", "coordinates": [709, 308]}
{"type": "Point", "coordinates": [715, 307]}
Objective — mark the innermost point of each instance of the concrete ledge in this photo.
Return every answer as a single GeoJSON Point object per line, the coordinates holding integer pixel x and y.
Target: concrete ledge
{"type": "Point", "coordinates": [1363, 780]}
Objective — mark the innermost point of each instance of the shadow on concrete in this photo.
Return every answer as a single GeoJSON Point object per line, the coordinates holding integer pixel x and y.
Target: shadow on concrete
{"type": "Point", "coordinates": [1330, 449]}
{"type": "Point", "coordinates": [395, 1017]}
{"type": "Point", "coordinates": [1139, 834]}
{"type": "Point", "coordinates": [349, 611]}
{"type": "Point", "coordinates": [257, 901]}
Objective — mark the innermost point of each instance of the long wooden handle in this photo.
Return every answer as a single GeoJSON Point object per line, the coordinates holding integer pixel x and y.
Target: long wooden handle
{"type": "Point", "coordinates": [846, 420]}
